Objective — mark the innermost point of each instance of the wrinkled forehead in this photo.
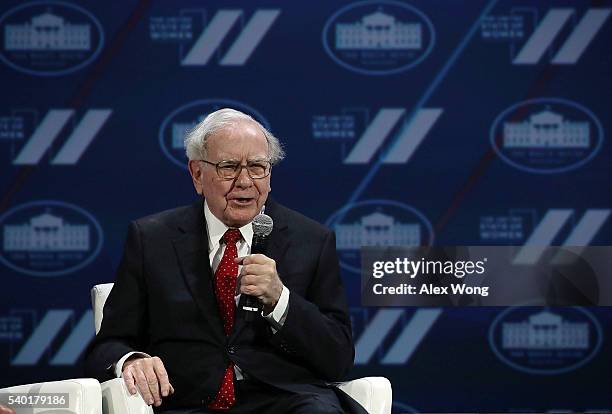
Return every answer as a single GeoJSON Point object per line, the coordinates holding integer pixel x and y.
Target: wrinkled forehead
{"type": "Point", "coordinates": [239, 139]}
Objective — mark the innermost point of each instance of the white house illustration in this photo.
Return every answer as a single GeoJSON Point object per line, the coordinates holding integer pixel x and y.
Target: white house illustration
{"type": "Point", "coordinates": [377, 229]}
{"type": "Point", "coordinates": [179, 131]}
{"type": "Point", "coordinates": [380, 31]}
{"type": "Point", "coordinates": [46, 232]}
{"type": "Point", "coordinates": [545, 330]}
{"type": "Point", "coordinates": [546, 129]}
{"type": "Point", "coordinates": [47, 31]}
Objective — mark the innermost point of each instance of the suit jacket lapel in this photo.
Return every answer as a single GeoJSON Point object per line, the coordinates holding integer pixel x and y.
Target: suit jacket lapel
{"type": "Point", "coordinates": [191, 249]}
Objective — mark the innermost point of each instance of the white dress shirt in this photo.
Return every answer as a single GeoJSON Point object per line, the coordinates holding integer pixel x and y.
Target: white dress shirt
{"type": "Point", "coordinates": [216, 229]}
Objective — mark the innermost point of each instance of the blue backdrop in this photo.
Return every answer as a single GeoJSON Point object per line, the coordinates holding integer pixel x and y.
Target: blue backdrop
{"type": "Point", "coordinates": [405, 122]}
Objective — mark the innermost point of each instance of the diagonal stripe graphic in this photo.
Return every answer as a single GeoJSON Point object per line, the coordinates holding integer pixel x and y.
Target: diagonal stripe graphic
{"type": "Point", "coordinates": [412, 335]}
{"type": "Point", "coordinates": [250, 37]}
{"type": "Point", "coordinates": [375, 333]}
{"type": "Point", "coordinates": [211, 38]}
{"type": "Point", "coordinates": [587, 227]}
{"type": "Point", "coordinates": [412, 135]}
{"type": "Point", "coordinates": [76, 343]}
{"type": "Point", "coordinates": [582, 35]}
{"type": "Point", "coordinates": [582, 234]}
{"type": "Point", "coordinates": [41, 338]}
{"type": "Point", "coordinates": [542, 236]}
{"type": "Point", "coordinates": [43, 137]}
{"type": "Point", "coordinates": [374, 135]}
{"type": "Point", "coordinates": [543, 36]}
{"type": "Point", "coordinates": [81, 137]}
{"type": "Point", "coordinates": [476, 25]}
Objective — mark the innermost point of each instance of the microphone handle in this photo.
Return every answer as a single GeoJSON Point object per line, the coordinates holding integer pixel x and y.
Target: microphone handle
{"type": "Point", "coordinates": [250, 305]}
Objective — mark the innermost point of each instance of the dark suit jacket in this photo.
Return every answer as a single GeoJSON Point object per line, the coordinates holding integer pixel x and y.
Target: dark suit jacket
{"type": "Point", "coordinates": [163, 303]}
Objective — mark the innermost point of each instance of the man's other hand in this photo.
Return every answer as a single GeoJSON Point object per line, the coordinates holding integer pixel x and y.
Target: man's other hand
{"type": "Point", "coordinates": [6, 410]}
{"type": "Point", "coordinates": [149, 376]}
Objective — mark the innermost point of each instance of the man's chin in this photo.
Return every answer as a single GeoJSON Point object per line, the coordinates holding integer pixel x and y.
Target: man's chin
{"type": "Point", "coordinates": [241, 217]}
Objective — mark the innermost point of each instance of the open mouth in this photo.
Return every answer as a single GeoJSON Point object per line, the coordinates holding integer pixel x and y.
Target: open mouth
{"type": "Point", "coordinates": [242, 200]}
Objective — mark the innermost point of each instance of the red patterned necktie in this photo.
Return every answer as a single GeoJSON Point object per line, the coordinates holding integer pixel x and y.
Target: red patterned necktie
{"type": "Point", "coordinates": [225, 288]}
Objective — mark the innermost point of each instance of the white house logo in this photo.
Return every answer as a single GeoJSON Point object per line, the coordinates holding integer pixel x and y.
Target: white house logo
{"type": "Point", "coordinates": [176, 125]}
{"type": "Point", "coordinates": [49, 238]}
{"type": "Point", "coordinates": [49, 38]}
{"type": "Point", "coordinates": [377, 223]}
{"type": "Point", "coordinates": [545, 342]}
{"type": "Point", "coordinates": [378, 37]}
{"type": "Point", "coordinates": [546, 135]}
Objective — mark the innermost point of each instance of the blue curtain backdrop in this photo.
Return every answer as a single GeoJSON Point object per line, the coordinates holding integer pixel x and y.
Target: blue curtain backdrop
{"type": "Point", "coordinates": [405, 122]}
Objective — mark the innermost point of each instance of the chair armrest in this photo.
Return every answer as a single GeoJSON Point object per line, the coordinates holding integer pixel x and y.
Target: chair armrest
{"type": "Point", "coordinates": [116, 399]}
{"type": "Point", "coordinates": [84, 396]}
{"type": "Point", "coordinates": [373, 393]}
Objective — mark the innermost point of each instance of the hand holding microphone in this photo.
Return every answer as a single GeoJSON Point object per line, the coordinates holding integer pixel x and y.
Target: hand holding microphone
{"type": "Point", "coordinates": [258, 280]}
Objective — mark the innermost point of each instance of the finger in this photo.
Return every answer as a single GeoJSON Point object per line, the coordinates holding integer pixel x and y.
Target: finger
{"type": "Point", "coordinates": [253, 258]}
{"type": "Point", "coordinates": [162, 376]}
{"type": "Point", "coordinates": [171, 389]}
{"type": "Point", "coordinates": [246, 280]}
{"type": "Point", "coordinates": [252, 290]}
{"type": "Point", "coordinates": [143, 385]}
{"type": "Point", "coordinates": [255, 269]}
{"type": "Point", "coordinates": [130, 381]}
{"type": "Point", "coordinates": [153, 382]}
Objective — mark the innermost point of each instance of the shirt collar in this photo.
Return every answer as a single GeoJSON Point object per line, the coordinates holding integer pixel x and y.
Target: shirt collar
{"type": "Point", "coordinates": [216, 229]}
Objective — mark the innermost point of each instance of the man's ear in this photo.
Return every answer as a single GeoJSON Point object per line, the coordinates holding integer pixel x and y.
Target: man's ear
{"type": "Point", "coordinates": [195, 170]}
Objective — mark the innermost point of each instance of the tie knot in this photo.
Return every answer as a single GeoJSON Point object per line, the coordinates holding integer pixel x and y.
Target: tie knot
{"type": "Point", "coordinates": [232, 236]}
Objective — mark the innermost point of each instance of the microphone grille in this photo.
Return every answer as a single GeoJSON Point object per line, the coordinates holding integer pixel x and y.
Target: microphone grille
{"type": "Point", "coordinates": [262, 225]}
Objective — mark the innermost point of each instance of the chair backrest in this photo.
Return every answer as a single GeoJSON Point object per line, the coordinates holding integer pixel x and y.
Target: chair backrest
{"type": "Point", "coordinates": [99, 293]}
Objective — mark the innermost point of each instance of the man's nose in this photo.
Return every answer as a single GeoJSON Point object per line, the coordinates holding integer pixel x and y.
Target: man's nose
{"type": "Point", "coordinates": [243, 180]}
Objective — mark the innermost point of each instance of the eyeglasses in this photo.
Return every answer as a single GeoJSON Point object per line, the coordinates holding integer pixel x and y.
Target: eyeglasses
{"type": "Point", "coordinates": [228, 170]}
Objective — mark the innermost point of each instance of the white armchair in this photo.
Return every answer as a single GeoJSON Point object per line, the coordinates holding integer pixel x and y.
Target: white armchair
{"type": "Point", "coordinates": [84, 397]}
{"type": "Point", "coordinates": [87, 396]}
{"type": "Point", "coordinates": [373, 393]}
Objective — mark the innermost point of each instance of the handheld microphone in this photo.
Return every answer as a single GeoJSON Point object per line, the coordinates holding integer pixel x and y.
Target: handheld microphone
{"type": "Point", "coordinates": [262, 227]}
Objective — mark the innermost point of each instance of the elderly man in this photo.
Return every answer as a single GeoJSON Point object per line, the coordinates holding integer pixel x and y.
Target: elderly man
{"type": "Point", "coordinates": [171, 327]}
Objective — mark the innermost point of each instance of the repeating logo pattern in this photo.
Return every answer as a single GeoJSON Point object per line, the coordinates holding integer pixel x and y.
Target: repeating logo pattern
{"type": "Point", "coordinates": [228, 36]}
{"type": "Point", "coordinates": [377, 329]}
{"type": "Point", "coordinates": [38, 342]}
{"type": "Point", "coordinates": [51, 128]}
{"type": "Point", "coordinates": [549, 28]}
{"type": "Point", "coordinates": [49, 238]}
{"type": "Point", "coordinates": [377, 223]}
{"type": "Point", "coordinates": [547, 135]}
{"type": "Point", "coordinates": [179, 122]}
{"type": "Point", "coordinates": [546, 342]}
{"type": "Point", "coordinates": [49, 38]}
{"type": "Point", "coordinates": [405, 131]}
{"type": "Point", "coordinates": [379, 37]}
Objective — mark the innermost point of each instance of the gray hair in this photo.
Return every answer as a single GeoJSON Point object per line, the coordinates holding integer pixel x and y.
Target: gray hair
{"type": "Point", "coordinates": [196, 138]}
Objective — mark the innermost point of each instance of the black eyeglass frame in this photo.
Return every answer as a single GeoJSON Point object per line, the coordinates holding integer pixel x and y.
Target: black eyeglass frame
{"type": "Point", "coordinates": [238, 168]}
